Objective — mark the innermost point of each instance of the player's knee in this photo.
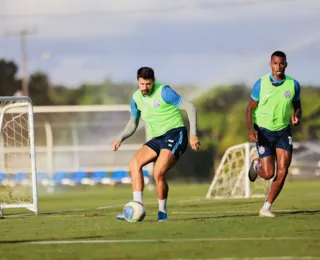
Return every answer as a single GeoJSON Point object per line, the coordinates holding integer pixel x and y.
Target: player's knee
{"type": "Point", "coordinates": [134, 165]}
{"type": "Point", "coordinates": [158, 174]}
{"type": "Point", "coordinates": [268, 175]}
{"type": "Point", "coordinates": [282, 172]}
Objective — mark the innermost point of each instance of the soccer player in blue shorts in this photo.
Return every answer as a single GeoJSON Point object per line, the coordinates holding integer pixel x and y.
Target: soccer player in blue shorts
{"type": "Point", "coordinates": [158, 105]}
{"type": "Point", "coordinates": [268, 120]}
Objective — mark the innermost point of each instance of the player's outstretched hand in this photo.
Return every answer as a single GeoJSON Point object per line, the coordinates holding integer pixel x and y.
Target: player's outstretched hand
{"type": "Point", "coordinates": [194, 142]}
{"type": "Point", "coordinates": [116, 144]}
{"type": "Point", "coordinates": [295, 120]}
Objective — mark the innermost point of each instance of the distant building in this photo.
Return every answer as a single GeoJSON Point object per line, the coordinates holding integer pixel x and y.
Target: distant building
{"type": "Point", "coordinates": [305, 160]}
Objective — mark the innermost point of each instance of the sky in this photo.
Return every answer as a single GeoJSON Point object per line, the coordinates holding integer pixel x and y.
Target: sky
{"type": "Point", "coordinates": [200, 42]}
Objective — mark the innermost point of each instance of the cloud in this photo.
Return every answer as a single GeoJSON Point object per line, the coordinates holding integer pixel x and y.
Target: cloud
{"type": "Point", "coordinates": [71, 18]}
{"type": "Point", "coordinates": [201, 41]}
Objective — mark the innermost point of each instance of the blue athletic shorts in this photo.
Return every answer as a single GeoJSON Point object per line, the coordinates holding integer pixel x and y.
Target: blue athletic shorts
{"type": "Point", "coordinates": [175, 140]}
{"type": "Point", "coordinates": [268, 141]}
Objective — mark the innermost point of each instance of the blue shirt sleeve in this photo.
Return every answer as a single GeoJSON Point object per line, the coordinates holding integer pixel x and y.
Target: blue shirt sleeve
{"type": "Point", "coordinates": [255, 94]}
{"type": "Point", "coordinates": [135, 112]}
{"type": "Point", "coordinates": [171, 97]}
{"type": "Point", "coordinates": [297, 91]}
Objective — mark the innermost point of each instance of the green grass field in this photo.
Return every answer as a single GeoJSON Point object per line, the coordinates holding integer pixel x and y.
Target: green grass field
{"type": "Point", "coordinates": [197, 228]}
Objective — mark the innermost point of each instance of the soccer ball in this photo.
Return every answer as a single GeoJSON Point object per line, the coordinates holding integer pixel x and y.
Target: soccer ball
{"type": "Point", "coordinates": [134, 211]}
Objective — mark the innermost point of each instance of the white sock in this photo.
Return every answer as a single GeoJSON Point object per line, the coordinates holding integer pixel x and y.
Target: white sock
{"type": "Point", "coordinates": [137, 196]}
{"type": "Point", "coordinates": [266, 205]}
{"type": "Point", "coordinates": [163, 205]}
{"type": "Point", "coordinates": [256, 165]}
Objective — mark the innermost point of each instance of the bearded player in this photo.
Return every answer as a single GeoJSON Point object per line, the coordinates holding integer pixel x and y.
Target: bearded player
{"type": "Point", "coordinates": [158, 105]}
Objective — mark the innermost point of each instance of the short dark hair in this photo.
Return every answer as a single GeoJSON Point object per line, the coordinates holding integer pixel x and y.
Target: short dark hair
{"type": "Point", "coordinates": [279, 54]}
{"type": "Point", "coordinates": [145, 73]}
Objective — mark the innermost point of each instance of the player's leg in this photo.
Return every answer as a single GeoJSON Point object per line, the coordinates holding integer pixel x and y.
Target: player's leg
{"type": "Point", "coordinates": [174, 144]}
{"type": "Point", "coordinates": [145, 155]}
{"type": "Point", "coordinates": [264, 165]}
{"type": "Point", "coordinates": [266, 169]}
{"type": "Point", "coordinates": [284, 155]}
{"type": "Point", "coordinates": [283, 163]}
{"type": "Point", "coordinates": [165, 161]}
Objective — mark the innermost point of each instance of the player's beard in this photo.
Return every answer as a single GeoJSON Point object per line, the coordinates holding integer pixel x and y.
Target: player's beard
{"type": "Point", "coordinates": [145, 92]}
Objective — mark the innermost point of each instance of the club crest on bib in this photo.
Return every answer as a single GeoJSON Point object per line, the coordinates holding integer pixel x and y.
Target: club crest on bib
{"type": "Point", "coordinates": [156, 103]}
{"type": "Point", "coordinates": [287, 94]}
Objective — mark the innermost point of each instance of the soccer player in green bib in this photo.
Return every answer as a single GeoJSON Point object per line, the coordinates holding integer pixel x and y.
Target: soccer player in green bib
{"type": "Point", "coordinates": [158, 105]}
{"type": "Point", "coordinates": [268, 116]}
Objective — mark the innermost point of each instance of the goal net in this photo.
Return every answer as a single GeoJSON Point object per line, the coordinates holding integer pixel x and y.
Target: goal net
{"type": "Point", "coordinates": [231, 178]}
{"type": "Point", "coordinates": [18, 185]}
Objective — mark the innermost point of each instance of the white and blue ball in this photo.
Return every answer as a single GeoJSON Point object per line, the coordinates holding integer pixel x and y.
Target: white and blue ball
{"type": "Point", "coordinates": [134, 211]}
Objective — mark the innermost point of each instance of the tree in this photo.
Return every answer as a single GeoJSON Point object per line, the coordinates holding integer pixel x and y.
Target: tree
{"type": "Point", "coordinates": [8, 82]}
{"type": "Point", "coordinates": [221, 111]}
{"type": "Point", "coordinates": [39, 89]}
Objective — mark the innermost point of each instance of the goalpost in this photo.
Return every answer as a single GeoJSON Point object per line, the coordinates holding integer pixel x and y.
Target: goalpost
{"type": "Point", "coordinates": [18, 176]}
{"type": "Point", "coordinates": [231, 178]}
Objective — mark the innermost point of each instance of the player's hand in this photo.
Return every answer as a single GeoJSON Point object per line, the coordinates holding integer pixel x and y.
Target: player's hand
{"type": "Point", "coordinates": [116, 144]}
{"type": "Point", "coordinates": [295, 120]}
{"type": "Point", "coordinates": [194, 142]}
{"type": "Point", "coordinates": [253, 137]}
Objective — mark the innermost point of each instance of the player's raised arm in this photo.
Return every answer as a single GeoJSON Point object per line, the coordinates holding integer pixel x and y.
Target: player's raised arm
{"type": "Point", "coordinates": [130, 128]}
{"type": "Point", "coordinates": [173, 98]}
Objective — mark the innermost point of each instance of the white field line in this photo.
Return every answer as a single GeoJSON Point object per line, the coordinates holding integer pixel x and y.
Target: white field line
{"type": "Point", "coordinates": [121, 205]}
{"type": "Point", "coordinates": [150, 203]}
{"type": "Point", "coordinates": [237, 211]}
{"type": "Point", "coordinates": [84, 209]}
{"type": "Point", "coordinates": [256, 258]}
{"type": "Point", "coordinates": [177, 240]}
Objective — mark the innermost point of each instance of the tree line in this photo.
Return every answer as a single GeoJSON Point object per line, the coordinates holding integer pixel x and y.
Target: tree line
{"type": "Point", "coordinates": [221, 110]}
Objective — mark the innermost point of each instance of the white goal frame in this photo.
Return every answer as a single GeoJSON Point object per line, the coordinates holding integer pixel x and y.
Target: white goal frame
{"type": "Point", "coordinates": [242, 187]}
{"type": "Point", "coordinates": [33, 205]}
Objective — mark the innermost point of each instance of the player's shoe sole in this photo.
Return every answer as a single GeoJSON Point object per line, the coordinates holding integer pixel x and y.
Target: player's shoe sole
{"type": "Point", "coordinates": [162, 216]}
{"type": "Point", "coordinates": [253, 173]}
{"type": "Point", "coordinates": [266, 214]}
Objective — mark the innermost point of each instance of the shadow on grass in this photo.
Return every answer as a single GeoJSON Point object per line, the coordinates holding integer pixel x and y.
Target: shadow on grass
{"type": "Point", "coordinates": [242, 215]}
{"type": "Point", "coordinates": [52, 239]}
{"type": "Point", "coordinates": [293, 212]}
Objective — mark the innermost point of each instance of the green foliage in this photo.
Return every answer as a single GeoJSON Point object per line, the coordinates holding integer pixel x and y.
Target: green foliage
{"type": "Point", "coordinates": [60, 95]}
{"type": "Point", "coordinates": [221, 117]}
{"type": "Point", "coordinates": [9, 83]}
{"type": "Point", "coordinates": [95, 94]}
{"type": "Point", "coordinates": [309, 129]}
{"type": "Point", "coordinates": [222, 122]}
{"type": "Point", "coordinates": [39, 89]}
{"type": "Point", "coordinates": [221, 110]}
{"type": "Point", "coordinates": [235, 131]}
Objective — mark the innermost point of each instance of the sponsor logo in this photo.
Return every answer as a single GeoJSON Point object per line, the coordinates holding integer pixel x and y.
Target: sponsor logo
{"type": "Point", "coordinates": [290, 140]}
